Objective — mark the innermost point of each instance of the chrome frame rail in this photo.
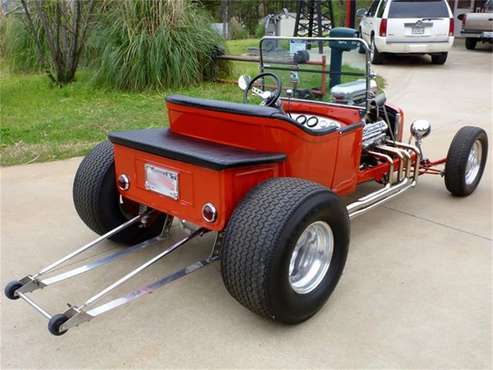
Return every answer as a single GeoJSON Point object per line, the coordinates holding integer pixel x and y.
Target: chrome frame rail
{"type": "Point", "coordinates": [76, 315]}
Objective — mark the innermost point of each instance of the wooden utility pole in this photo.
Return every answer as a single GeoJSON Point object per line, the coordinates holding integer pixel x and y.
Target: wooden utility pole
{"type": "Point", "coordinates": [225, 12]}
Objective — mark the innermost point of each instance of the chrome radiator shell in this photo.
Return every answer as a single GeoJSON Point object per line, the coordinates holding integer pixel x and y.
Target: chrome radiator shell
{"type": "Point", "coordinates": [352, 93]}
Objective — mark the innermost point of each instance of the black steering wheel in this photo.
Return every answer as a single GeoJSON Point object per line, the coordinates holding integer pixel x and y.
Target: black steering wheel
{"type": "Point", "coordinates": [269, 98]}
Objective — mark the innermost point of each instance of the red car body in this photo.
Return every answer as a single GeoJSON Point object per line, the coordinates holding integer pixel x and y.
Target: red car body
{"type": "Point", "coordinates": [331, 159]}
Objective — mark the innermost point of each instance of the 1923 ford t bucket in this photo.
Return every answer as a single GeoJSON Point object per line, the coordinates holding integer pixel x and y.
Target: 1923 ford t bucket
{"type": "Point", "coordinates": [266, 178]}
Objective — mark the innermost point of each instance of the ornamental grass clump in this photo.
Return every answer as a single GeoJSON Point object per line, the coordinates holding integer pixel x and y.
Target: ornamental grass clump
{"type": "Point", "coordinates": [155, 44]}
{"type": "Point", "coordinates": [17, 44]}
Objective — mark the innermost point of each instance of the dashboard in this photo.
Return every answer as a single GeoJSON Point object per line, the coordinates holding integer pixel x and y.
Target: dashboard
{"type": "Point", "coordinates": [314, 122]}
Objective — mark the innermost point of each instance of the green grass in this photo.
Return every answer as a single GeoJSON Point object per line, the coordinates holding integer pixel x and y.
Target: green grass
{"type": "Point", "coordinates": [239, 47]}
{"type": "Point", "coordinates": [40, 122]}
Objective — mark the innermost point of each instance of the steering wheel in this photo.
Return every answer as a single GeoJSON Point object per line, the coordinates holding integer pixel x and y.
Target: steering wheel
{"type": "Point", "coordinates": [269, 98]}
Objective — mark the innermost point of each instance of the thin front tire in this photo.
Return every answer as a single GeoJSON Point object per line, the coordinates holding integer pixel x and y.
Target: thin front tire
{"type": "Point", "coordinates": [466, 160]}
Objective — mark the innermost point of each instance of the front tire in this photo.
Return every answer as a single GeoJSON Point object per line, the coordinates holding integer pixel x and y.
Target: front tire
{"type": "Point", "coordinates": [466, 160]}
{"type": "Point", "coordinates": [285, 248]}
{"type": "Point", "coordinates": [439, 58]}
{"type": "Point", "coordinates": [471, 43]}
{"type": "Point", "coordinates": [98, 202]}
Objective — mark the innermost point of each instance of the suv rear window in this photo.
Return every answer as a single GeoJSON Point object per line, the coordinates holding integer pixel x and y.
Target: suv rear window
{"type": "Point", "coordinates": [418, 9]}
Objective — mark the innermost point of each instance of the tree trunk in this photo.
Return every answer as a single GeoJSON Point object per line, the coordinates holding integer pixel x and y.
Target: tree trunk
{"type": "Point", "coordinates": [65, 24]}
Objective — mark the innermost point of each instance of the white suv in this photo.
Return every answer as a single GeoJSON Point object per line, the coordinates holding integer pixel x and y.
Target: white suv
{"type": "Point", "coordinates": [408, 27]}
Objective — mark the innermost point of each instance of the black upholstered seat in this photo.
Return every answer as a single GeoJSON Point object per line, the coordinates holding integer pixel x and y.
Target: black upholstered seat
{"type": "Point", "coordinates": [163, 142]}
{"type": "Point", "coordinates": [228, 107]}
{"type": "Point", "coordinates": [244, 109]}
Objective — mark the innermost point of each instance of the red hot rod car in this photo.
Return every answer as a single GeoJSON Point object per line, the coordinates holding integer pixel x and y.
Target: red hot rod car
{"type": "Point", "coordinates": [266, 178]}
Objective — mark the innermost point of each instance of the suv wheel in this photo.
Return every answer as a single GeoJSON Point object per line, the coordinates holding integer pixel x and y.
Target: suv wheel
{"type": "Point", "coordinates": [375, 56]}
{"type": "Point", "coordinates": [470, 43]}
{"type": "Point", "coordinates": [439, 58]}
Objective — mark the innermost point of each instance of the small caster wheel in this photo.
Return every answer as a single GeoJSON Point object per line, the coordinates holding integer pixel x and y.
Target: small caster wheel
{"type": "Point", "coordinates": [10, 289]}
{"type": "Point", "coordinates": [55, 323]}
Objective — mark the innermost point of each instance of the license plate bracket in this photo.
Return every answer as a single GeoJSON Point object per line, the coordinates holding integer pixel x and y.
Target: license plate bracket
{"type": "Point", "coordinates": [418, 30]}
{"type": "Point", "coordinates": [161, 180]}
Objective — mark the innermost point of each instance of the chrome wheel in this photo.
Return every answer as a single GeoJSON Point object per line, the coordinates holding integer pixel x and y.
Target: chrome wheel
{"type": "Point", "coordinates": [311, 257]}
{"type": "Point", "coordinates": [474, 162]}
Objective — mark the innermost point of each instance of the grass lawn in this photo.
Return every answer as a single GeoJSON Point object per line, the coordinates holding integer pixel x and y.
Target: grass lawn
{"type": "Point", "coordinates": [40, 122]}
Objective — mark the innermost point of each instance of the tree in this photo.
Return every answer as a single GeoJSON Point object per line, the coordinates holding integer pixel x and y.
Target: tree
{"type": "Point", "coordinates": [65, 25]}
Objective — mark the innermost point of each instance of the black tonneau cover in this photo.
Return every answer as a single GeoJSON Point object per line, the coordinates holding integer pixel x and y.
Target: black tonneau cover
{"type": "Point", "coordinates": [163, 142]}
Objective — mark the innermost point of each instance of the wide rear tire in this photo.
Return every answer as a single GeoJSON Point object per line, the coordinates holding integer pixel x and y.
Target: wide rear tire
{"type": "Point", "coordinates": [263, 255]}
{"type": "Point", "coordinates": [98, 202]}
{"type": "Point", "coordinates": [466, 160]}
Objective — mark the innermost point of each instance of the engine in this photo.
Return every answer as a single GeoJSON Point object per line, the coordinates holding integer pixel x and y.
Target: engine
{"type": "Point", "coordinates": [374, 134]}
{"type": "Point", "coordinates": [352, 93]}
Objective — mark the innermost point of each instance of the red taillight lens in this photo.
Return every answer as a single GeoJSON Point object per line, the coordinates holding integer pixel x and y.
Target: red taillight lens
{"type": "Point", "coordinates": [209, 212]}
{"type": "Point", "coordinates": [451, 27]}
{"type": "Point", "coordinates": [383, 27]}
{"type": "Point", "coordinates": [464, 20]}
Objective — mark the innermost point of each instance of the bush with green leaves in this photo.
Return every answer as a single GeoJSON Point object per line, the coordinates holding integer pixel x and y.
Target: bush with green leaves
{"type": "Point", "coordinates": [155, 44]}
{"type": "Point", "coordinates": [260, 29]}
{"type": "Point", "coordinates": [236, 30]}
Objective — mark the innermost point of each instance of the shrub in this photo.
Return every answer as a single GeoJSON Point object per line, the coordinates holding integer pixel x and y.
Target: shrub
{"type": "Point", "coordinates": [260, 29]}
{"type": "Point", "coordinates": [17, 44]}
{"type": "Point", "coordinates": [236, 30]}
{"type": "Point", "coordinates": [155, 44]}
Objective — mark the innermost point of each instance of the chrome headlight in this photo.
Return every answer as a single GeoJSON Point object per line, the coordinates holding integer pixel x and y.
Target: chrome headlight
{"type": "Point", "coordinates": [420, 129]}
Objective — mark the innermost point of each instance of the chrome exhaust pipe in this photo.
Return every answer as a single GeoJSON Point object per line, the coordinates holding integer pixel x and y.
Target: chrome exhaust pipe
{"type": "Point", "coordinates": [358, 208]}
{"type": "Point", "coordinates": [404, 180]}
{"type": "Point", "coordinates": [400, 154]}
{"type": "Point", "coordinates": [415, 150]}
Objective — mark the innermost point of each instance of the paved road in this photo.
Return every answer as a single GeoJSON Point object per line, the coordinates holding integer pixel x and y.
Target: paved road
{"type": "Point", "coordinates": [416, 293]}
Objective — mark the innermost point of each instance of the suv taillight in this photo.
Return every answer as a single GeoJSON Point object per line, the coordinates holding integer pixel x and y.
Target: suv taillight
{"type": "Point", "coordinates": [464, 20]}
{"type": "Point", "coordinates": [383, 27]}
{"type": "Point", "coordinates": [451, 27]}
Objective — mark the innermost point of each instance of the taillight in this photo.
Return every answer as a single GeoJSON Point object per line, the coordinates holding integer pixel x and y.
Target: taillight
{"type": "Point", "coordinates": [464, 20]}
{"type": "Point", "coordinates": [383, 27]}
{"type": "Point", "coordinates": [451, 27]}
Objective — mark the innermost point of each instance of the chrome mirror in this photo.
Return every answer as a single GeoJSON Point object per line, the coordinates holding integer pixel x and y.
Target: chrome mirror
{"type": "Point", "coordinates": [244, 81]}
{"type": "Point", "coordinates": [294, 77]}
{"type": "Point", "coordinates": [361, 12]}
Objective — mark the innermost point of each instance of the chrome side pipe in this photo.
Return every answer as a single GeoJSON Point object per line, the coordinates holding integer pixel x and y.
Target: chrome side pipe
{"type": "Point", "coordinates": [404, 179]}
{"type": "Point", "coordinates": [360, 207]}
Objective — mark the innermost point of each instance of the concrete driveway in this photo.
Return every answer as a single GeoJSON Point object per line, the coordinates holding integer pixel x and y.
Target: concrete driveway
{"type": "Point", "coordinates": [416, 292]}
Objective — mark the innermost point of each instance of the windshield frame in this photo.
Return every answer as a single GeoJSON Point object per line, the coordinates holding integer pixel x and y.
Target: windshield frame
{"type": "Point", "coordinates": [368, 71]}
